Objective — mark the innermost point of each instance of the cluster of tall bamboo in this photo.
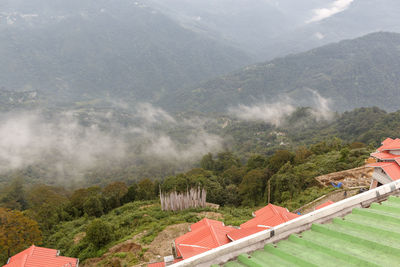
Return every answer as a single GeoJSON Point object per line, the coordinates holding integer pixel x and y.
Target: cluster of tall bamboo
{"type": "Point", "coordinates": [192, 198]}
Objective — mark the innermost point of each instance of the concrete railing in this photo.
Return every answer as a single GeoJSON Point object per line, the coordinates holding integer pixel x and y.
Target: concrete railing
{"type": "Point", "coordinates": [251, 243]}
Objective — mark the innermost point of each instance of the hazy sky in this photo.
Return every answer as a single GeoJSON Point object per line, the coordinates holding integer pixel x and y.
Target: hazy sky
{"type": "Point", "coordinates": [334, 8]}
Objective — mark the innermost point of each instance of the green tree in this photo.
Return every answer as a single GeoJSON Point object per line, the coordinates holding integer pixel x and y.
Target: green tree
{"type": "Point", "coordinates": [79, 197]}
{"type": "Point", "coordinates": [99, 233]}
{"type": "Point", "coordinates": [256, 162]}
{"type": "Point", "coordinates": [234, 175]}
{"type": "Point", "coordinates": [14, 197]}
{"type": "Point", "coordinates": [93, 206]}
{"type": "Point", "coordinates": [280, 158]}
{"type": "Point", "coordinates": [113, 193]}
{"type": "Point", "coordinates": [17, 232]}
{"type": "Point", "coordinates": [145, 190]}
{"type": "Point", "coordinates": [225, 160]}
{"type": "Point", "coordinates": [46, 205]}
{"type": "Point", "coordinates": [207, 162]}
{"type": "Point", "coordinates": [252, 187]}
{"type": "Point", "coordinates": [232, 196]}
{"type": "Point", "coordinates": [302, 154]}
{"type": "Point", "coordinates": [130, 195]}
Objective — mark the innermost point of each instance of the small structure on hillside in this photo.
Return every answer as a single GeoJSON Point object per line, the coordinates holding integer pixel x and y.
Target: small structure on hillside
{"type": "Point", "coordinates": [193, 198]}
{"type": "Point", "coordinates": [203, 236]}
{"type": "Point", "coordinates": [387, 167]}
{"type": "Point", "coordinates": [38, 256]}
{"type": "Point", "coordinates": [208, 234]}
{"type": "Point", "coordinates": [265, 218]}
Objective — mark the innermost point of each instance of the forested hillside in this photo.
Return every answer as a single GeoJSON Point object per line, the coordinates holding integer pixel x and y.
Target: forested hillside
{"type": "Point", "coordinates": [354, 73]}
{"type": "Point", "coordinates": [127, 147]}
{"type": "Point", "coordinates": [82, 50]}
{"type": "Point", "coordinates": [86, 222]}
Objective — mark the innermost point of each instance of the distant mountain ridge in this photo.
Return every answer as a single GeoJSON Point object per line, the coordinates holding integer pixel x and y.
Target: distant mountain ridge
{"type": "Point", "coordinates": [273, 28]}
{"type": "Point", "coordinates": [350, 74]}
{"type": "Point", "coordinates": [76, 50]}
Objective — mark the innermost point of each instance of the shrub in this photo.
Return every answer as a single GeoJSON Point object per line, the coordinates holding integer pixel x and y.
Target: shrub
{"type": "Point", "coordinates": [99, 233]}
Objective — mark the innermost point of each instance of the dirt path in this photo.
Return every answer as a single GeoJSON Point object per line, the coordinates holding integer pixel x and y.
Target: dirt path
{"type": "Point", "coordinates": [162, 244]}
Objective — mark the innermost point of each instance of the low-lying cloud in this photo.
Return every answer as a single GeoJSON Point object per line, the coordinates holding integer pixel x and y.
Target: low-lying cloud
{"type": "Point", "coordinates": [28, 138]}
{"type": "Point", "coordinates": [270, 113]}
{"type": "Point", "coordinates": [336, 7]}
{"type": "Point", "coordinates": [276, 112]}
{"type": "Point", "coordinates": [71, 143]}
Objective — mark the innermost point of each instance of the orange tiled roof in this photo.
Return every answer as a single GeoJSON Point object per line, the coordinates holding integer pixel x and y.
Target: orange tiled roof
{"type": "Point", "coordinates": [323, 205]}
{"type": "Point", "coordinates": [38, 257]}
{"type": "Point", "coordinates": [384, 155]}
{"type": "Point", "coordinates": [390, 144]}
{"type": "Point", "coordinates": [161, 263]}
{"type": "Point", "coordinates": [156, 264]}
{"type": "Point", "coordinates": [243, 232]}
{"type": "Point", "coordinates": [204, 235]}
{"type": "Point", "coordinates": [392, 169]}
{"type": "Point", "coordinates": [267, 217]}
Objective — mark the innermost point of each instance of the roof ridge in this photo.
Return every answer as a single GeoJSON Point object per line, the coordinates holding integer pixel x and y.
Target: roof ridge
{"type": "Point", "coordinates": [24, 261]}
{"type": "Point", "coordinates": [193, 246]}
{"type": "Point", "coordinates": [272, 208]}
{"type": "Point", "coordinates": [214, 235]}
{"type": "Point", "coordinates": [32, 250]}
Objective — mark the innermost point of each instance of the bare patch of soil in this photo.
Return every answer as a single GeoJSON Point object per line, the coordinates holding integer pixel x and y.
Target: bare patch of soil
{"type": "Point", "coordinates": [78, 237]}
{"type": "Point", "coordinates": [162, 244]}
{"type": "Point", "coordinates": [127, 246]}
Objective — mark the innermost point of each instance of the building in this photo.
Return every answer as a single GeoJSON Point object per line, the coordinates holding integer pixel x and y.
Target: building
{"type": "Point", "coordinates": [37, 257]}
{"type": "Point", "coordinates": [368, 235]}
{"type": "Point", "coordinates": [209, 234]}
{"type": "Point", "coordinates": [264, 218]}
{"type": "Point", "coordinates": [387, 167]}
{"type": "Point", "coordinates": [203, 236]}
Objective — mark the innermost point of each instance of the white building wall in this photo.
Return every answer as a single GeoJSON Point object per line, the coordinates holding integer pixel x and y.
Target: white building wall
{"type": "Point", "coordinates": [394, 152]}
{"type": "Point", "coordinates": [381, 176]}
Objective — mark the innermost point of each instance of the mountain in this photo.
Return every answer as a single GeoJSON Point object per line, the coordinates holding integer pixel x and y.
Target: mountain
{"type": "Point", "coordinates": [358, 19]}
{"type": "Point", "coordinates": [80, 50]}
{"type": "Point", "coordinates": [273, 28]}
{"type": "Point", "coordinates": [349, 74]}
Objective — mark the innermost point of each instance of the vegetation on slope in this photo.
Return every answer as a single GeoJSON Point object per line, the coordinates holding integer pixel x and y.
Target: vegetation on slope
{"type": "Point", "coordinates": [353, 73]}
{"type": "Point", "coordinates": [238, 187]}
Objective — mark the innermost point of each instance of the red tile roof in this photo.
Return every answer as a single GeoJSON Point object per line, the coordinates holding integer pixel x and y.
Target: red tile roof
{"type": "Point", "coordinates": [323, 205]}
{"type": "Point", "coordinates": [390, 144]}
{"type": "Point", "coordinates": [392, 169]}
{"type": "Point", "coordinates": [204, 235]}
{"type": "Point", "coordinates": [156, 264]}
{"type": "Point", "coordinates": [243, 232]}
{"type": "Point", "coordinates": [40, 257]}
{"type": "Point", "coordinates": [267, 217]}
{"type": "Point", "coordinates": [384, 155]}
{"type": "Point", "coordinates": [161, 263]}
